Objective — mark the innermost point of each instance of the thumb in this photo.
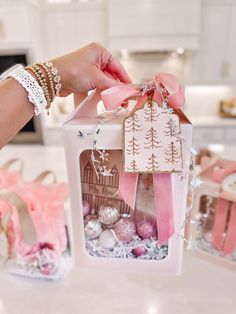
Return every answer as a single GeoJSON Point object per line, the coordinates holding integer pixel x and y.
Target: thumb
{"type": "Point", "coordinates": [106, 80]}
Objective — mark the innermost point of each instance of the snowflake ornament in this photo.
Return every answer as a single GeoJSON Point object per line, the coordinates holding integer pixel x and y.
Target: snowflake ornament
{"type": "Point", "coordinates": [196, 182]}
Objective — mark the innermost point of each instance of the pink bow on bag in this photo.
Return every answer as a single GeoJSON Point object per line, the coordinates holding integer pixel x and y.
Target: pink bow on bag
{"type": "Point", "coordinates": [112, 99]}
{"type": "Point", "coordinates": [45, 204]}
{"type": "Point", "coordinates": [43, 208]}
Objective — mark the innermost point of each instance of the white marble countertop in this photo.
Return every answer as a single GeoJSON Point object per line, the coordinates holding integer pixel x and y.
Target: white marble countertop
{"type": "Point", "coordinates": [202, 288]}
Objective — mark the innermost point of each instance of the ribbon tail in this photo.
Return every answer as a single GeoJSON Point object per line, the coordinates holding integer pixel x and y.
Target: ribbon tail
{"type": "Point", "coordinates": [128, 188]}
{"type": "Point", "coordinates": [230, 241]}
{"type": "Point", "coordinates": [26, 223]}
{"type": "Point", "coordinates": [176, 97]}
{"type": "Point", "coordinates": [220, 222]}
{"type": "Point", "coordinates": [164, 206]}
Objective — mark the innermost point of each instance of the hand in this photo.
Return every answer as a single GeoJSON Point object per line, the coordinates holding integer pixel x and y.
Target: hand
{"type": "Point", "coordinates": [89, 68]}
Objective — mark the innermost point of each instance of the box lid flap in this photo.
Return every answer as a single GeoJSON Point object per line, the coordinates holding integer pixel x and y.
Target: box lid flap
{"type": "Point", "coordinates": [86, 108]}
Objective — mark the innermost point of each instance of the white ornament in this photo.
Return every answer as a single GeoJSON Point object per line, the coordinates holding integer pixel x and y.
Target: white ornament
{"type": "Point", "coordinates": [107, 239]}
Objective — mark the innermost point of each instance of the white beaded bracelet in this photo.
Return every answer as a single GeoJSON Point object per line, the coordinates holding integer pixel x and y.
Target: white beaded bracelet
{"type": "Point", "coordinates": [34, 90]}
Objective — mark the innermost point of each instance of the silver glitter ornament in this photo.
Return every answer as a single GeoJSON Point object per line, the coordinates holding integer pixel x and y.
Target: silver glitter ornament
{"type": "Point", "coordinates": [92, 229]}
{"type": "Point", "coordinates": [108, 215]}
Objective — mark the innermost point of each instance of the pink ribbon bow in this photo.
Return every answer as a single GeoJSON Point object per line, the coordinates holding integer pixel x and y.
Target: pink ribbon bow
{"type": "Point", "coordinates": [113, 97]}
{"type": "Point", "coordinates": [174, 93]}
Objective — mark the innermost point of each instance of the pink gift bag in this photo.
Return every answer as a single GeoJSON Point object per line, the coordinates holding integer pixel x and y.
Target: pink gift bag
{"type": "Point", "coordinates": [128, 218]}
{"type": "Point", "coordinates": [10, 177]}
{"type": "Point", "coordinates": [36, 231]}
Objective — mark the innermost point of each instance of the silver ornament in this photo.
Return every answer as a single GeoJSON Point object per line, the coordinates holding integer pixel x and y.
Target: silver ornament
{"type": "Point", "coordinates": [92, 229]}
{"type": "Point", "coordinates": [108, 215]}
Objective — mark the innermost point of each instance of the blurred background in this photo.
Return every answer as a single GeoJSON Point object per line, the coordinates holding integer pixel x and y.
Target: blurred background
{"type": "Point", "coordinates": [192, 39]}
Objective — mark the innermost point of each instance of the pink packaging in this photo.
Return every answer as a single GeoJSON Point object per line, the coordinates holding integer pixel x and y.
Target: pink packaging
{"type": "Point", "coordinates": [79, 136]}
{"type": "Point", "coordinates": [215, 199]}
{"type": "Point", "coordinates": [33, 235]}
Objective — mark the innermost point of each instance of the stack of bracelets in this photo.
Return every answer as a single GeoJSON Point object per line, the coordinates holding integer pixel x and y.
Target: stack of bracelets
{"type": "Point", "coordinates": [41, 82]}
{"type": "Point", "coordinates": [48, 79]}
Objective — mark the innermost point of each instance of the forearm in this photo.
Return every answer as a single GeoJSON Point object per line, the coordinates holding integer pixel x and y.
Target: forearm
{"type": "Point", "coordinates": [15, 109]}
{"type": "Point", "coordinates": [77, 72]}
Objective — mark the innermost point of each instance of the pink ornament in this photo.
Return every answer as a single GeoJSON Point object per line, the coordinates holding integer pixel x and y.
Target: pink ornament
{"type": "Point", "coordinates": [125, 229]}
{"type": "Point", "coordinates": [139, 251]}
{"type": "Point", "coordinates": [146, 229]}
{"type": "Point", "coordinates": [86, 208]}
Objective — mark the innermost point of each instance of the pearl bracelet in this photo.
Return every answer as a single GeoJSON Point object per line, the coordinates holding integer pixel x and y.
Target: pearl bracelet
{"type": "Point", "coordinates": [56, 77]}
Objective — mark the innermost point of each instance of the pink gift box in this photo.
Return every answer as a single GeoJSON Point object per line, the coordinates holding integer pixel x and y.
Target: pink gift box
{"type": "Point", "coordinates": [77, 139]}
{"type": "Point", "coordinates": [216, 235]}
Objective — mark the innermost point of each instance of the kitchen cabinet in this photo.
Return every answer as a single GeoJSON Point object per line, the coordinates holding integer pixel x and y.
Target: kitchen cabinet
{"type": "Point", "coordinates": [206, 135]}
{"type": "Point", "coordinates": [232, 46]}
{"type": "Point", "coordinates": [230, 135]}
{"type": "Point", "coordinates": [214, 62]}
{"type": "Point", "coordinates": [69, 27]}
{"type": "Point", "coordinates": [60, 33]}
{"type": "Point", "coordinates": [153, 25]}
{"type": "Point", "coordinates": [209, 134]}
{"type": "Point", "coordinates": [16, 23]}
{"type": "Point", "coordinates": [20, 29]}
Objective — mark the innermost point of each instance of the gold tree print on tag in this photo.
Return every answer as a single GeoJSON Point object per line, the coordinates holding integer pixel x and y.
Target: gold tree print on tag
{"type": "Point", "coordinates": [171, 129]}
{"type": "Point", "coordinates": [152, 139]}
{"type": "Point", "coordinates": [133, 124]}
{"type": "Point", "coordinates": [172, 154]}
{"type": "Point", "coordinates": [133, 147]}
{"type": "Point", "coordinates": [151, 113]}
{"type": "Point", "coordinates": [133, 166]}
{"type": "Point", "coordinates": [153, 164]}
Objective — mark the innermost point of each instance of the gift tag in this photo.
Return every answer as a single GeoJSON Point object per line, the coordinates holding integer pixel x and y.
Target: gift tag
{"type": "Point", "coordinates": [152, 140]}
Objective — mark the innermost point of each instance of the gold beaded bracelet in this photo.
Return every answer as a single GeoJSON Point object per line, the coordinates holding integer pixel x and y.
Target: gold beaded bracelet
{"type": "Point", "coordinates": [40, 76]}
{"type": "Point", "coordinates": [48, 79]}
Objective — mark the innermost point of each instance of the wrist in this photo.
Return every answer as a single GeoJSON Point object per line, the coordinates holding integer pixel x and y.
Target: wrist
{"type": "Point", "coordinates": [47, 77]}
{"type": "Point", "coordinates": [63, 73]}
